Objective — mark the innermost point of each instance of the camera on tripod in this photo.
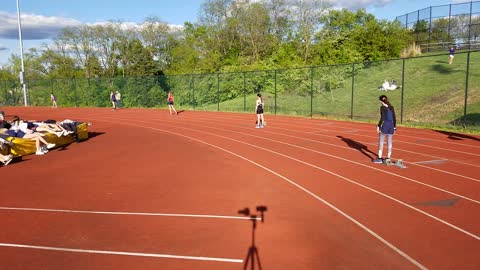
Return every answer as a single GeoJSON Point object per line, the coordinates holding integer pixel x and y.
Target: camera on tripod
{"type": "Point", "coordinates": [246, 212]}
{"type": "Point", "coordinates": [253, 257]}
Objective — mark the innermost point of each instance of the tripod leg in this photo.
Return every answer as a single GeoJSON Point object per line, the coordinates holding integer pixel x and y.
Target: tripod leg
{"type": "Point", "coordinates": [247, 259]}
{"type": "Point", "coordinates": [258, 258]}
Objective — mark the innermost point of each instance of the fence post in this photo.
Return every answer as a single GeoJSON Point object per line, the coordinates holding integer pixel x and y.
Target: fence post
{"type": "Point", "coordinates": [353, 90]}
{"type": "Point", "coordinates": [449, 19]}
{"type": "Point", "coordinates": [430, 29]}
{"type": "Point", "coordinates": [74, 91]}
{"type": "Point", "coordinates": [218, 92]}
{"type": "Point", "coordinates": [51, 86]}
{"type": "Point", "coordinates": [193, 91]}
{"type": "Point", "coordinates": [275, 92]}
{"type": "Point", "coordinates": [470, 28]}
{"type": "Point", "coordinates": [244, 93]}
{"type": "Point", "coordinates": [311, 92]}
{"type": "Point", "coordinates": [403, 91]}
{"type": "Point", "coordinates": [466, 87]}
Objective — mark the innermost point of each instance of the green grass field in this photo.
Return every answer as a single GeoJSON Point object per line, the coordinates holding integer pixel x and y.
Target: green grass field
{"type": "Point", "coordinates": [433, 93]}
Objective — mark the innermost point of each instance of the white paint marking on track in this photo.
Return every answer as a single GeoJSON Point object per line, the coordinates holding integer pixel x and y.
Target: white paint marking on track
{"type": "Point", "coordinates": [122, 213]}
{"type": "Point", "coordinates": [397, 149]}
{"type": "Point", "coordinates": [345, 160]}
{"type": "Point", "coordinates": [123, 253]}
{"type": "Point", "coordinates": [358, 223]}
{"type": "Point", "coordinates": [477, 237]}
{"type": "Point", "coordinates": [336, 145]}
{"type": "Point", "coordinates": [430, 161]}
{"type": "Point", "coordinates": [443, 171]}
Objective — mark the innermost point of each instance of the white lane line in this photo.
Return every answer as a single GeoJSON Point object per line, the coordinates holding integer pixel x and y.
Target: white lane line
{"type": "Point", "coordinates": [122, 213]}
{"type": "Point", "coordinates": [123, 253]}
{"type": "Point", "coordinates": [477, 237]}
{"type": "Point", "coordinates": [358, 223]}
{"type": "Point", "coordinates": [346, 160]}
{"type": "Point", "coordinates": [316, 131]}
{"type": "Point", "coordinates": [336, 145]}
{"type": "Point", "coordinates": [287, 125]}
{"type": "Point", "coordinates": [430, 161]}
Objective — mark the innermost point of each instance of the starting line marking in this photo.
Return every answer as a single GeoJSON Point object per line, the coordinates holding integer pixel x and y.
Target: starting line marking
{"type": "Point", "coordinates": [438, 161]}
{"type": "Point", "coordinates": [124, 213]}
{"type": "Point", "coordinates": [108, 252]}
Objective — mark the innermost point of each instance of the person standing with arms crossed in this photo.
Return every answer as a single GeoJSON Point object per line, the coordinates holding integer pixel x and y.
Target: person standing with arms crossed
{"type": "Point", "coordinates": [259, 111]}
{"type": "Point", "coordinates": [170, 104]}
{"type": "Point", "coordinates": [386, 127]}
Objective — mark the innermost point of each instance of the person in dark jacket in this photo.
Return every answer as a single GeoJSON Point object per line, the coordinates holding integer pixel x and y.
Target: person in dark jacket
{"type": "Point", "coordinates": [386, 127]}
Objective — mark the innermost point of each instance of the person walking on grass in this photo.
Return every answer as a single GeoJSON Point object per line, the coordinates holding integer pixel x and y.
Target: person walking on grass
{"type": "Point", "coordinates": [170, 104]}
{"type": "Point", "coordinates": [53, 98]}
{"type": "Point", "coordinates": [386, 127]}
{"type": "Point", "coordinates": [113, 99]}
{"type": "Point", "coordinates": [452, 55]}
{"type": "Point", "coordinates": [259, 111]}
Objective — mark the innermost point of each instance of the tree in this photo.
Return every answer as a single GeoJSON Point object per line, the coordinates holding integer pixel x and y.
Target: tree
{"type": "Point", "coordinates": [159, 38]}
{"type": "Point", "coordinates": [140, 62]}
{"type": "Point", "coordinates": [440, 30]}
{"type": "Point", "coordinates": [352, 37]}
{"type": "Point", "coordinates": [253, 32]}
{"type": "Point", "coordinates": [307, 15]}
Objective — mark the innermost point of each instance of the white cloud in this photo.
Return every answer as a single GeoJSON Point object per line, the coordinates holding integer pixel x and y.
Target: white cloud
{"type": "Point", "coordinates": [34, 27]}
{"type": "Point", "coordinates": [354, 5]}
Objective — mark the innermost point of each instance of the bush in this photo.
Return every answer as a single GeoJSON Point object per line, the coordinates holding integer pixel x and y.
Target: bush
{"type": "Point", "coordinates": [411, 51]}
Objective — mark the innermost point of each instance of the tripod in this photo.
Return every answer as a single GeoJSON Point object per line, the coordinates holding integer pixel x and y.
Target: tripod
{"type": "Point", "coordinates": [252, 254]}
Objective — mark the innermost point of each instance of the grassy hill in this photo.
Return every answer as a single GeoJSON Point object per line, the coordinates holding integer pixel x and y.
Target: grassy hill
{"type": "Point", "coordinates": [433, 93]}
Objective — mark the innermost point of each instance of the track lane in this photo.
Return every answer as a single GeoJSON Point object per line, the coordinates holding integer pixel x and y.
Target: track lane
{"type": "Point", "coordinates": [293, 173]}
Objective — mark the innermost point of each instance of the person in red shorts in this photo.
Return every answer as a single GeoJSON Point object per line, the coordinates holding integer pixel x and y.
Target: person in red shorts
{"type": "Point", "coordinates": [170, 103]}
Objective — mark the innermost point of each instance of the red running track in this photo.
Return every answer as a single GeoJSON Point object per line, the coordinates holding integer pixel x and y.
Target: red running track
{"type": "Point", "coordinates": [154, 191]}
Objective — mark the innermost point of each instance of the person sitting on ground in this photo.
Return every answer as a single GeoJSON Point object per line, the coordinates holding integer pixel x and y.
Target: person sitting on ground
{"type": "Point", "coordinates": [41, 144]}
{"type": "Point", "coordinates": [51, 128]}
{"type": "Point", "coordinates": [388, 86]}
{"type": "Point", "coordinates": [70, 126]}
{"type": "Point", "coordinates": [3, 122]}
{"type": "Point", "coordinates": [4, 142]}
{"type": "Point", "coordinates": [5, 159]}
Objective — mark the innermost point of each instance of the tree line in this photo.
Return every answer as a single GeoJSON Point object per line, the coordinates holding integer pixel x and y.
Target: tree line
{"type": "Point", "coordinates": [229, 36]}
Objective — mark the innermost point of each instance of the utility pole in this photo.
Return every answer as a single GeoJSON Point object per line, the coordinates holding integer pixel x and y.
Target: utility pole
{"type": "Point", "coordinates": [22, 72]}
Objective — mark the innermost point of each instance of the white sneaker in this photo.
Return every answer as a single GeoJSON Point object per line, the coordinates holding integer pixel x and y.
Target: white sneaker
{"type": "Point", "coordinates": [9, 158]}
{"type": "Point", "coordinates": [50, 145]}
{"type": "Point", "coordinates": [39, 153]}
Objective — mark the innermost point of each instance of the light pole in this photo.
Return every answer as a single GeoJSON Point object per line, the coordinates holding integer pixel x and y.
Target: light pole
{"type": "Point", "coordinates": [22, 73]}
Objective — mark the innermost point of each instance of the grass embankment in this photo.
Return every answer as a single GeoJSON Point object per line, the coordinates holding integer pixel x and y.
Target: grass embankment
{"type": "Point", "coordinates": [433, 93]}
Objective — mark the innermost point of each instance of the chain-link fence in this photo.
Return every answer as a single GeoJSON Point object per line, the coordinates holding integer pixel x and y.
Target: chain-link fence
{"type": "Point", "coordinates": [440, 27]}
{"type": "Point", "coordinates": [429, 90]}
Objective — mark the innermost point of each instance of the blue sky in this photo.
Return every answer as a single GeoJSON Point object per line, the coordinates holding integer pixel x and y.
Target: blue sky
{"type": "Point", "coordinates": [42, 19]}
